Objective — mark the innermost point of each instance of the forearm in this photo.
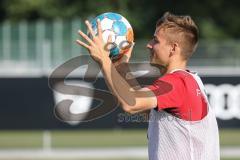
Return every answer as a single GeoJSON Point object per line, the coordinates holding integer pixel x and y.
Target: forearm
{"type": "Point", "coordinates": [125, 72]}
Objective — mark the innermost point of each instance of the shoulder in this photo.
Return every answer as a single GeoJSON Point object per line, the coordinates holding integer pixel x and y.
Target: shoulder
{"type": "Point", "coordinates": [177, 77]}
{"type": "Point", "coordinates": [178, 80]}
{"type": "Point", "coordinates": [169, 83]}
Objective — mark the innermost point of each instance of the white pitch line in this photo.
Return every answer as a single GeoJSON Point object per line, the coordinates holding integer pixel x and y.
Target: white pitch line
{"type": "Point", "coordinates": [98, 153]}
{"type": "Point", "coordinates": [230, 152]}
{"type": "Point", "coordinates": [94, 153]}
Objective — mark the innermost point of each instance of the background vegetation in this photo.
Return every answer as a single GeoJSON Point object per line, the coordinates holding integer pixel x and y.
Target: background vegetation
{"type": "Point", "coordinates": [217, 19]}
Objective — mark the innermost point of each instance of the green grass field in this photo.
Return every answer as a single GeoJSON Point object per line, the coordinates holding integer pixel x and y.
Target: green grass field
{"type": "Point", "coordinates": [94, 139]}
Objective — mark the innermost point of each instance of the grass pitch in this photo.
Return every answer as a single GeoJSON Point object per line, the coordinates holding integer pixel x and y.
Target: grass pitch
{"type": "Point", "coordinates": [93, 138]}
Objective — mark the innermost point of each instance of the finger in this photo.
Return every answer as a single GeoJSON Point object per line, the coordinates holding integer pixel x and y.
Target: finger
{"type": "Point", "coordinates": [132, 46]}
{"type": "Point", "coordinates": [99, 28]}
{"type": "Point", "coordinates": [110, 43]}
{"type": "Point", "coordinates": [128, 54]}
{"type": "Point", "coordinates": [89, 26]}
{"type": "Point", "coordinates": [109, 40]}
{"type": "Point", "coordinates": [86, 37]}
{"type": "Point", "coordinates": [83, 44]}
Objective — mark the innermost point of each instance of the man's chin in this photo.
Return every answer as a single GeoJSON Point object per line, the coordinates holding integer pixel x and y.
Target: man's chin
{"type": "Point", "coordinates": [152, 62]}
{"type": "Point", "coordinates": [159, 66]}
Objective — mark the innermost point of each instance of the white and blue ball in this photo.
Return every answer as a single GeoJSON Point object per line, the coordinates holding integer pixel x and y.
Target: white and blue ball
{"type": "Point", "coordinates": [120, 30]}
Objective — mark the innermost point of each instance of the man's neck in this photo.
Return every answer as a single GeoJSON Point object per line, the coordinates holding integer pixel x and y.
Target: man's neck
{"type": "Point", "coordinates": [175, 66]}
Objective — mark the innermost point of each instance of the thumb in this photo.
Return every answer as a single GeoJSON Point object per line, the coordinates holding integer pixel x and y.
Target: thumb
{"type": "Point", "coordinates": [129, 52]}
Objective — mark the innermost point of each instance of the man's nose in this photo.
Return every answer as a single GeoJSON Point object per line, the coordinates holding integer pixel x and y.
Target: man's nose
{"type": "Point", "coordinates": [149, 45]}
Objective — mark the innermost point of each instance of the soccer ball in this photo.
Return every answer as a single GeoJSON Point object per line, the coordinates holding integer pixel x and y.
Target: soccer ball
{"type": "Point", "coordinates": [120, 30]}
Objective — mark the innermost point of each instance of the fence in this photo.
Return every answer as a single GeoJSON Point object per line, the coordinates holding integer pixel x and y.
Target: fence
{"type": "Point", "coordinates": [41, 44]}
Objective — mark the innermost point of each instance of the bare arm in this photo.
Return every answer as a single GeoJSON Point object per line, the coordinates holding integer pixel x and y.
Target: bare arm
{"type": "Point", "coordinates": [132, 100]}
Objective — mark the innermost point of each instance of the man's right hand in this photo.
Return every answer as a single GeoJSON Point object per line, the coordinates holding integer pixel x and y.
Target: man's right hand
{"type": "Point", "coordinates": [125, 58]}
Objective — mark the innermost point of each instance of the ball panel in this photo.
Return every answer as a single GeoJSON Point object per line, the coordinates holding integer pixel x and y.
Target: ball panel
{"type": "Point", "coordinates": [125, 44]}
{"type": "Point", "coordinates": [94, 21]}
{"type": "Point", "coordinates": [106, 24]}
{"type": "Point", "coordinates": [119, 28]}
{"type": "Point", "coordinates": [114, 52]}
{"type": "Point", "coordinates": [130, 35]}
{"type": "Point", "coordinates": [100, 17]}
{"type": "Point", "coordinates": [120, 39]}
{"type": "Point", "coordinates": [105, 35]}
{"type": "Point", "coordinates": [125, 21]}
{"type": "Point", "coordinates": [113, 16]}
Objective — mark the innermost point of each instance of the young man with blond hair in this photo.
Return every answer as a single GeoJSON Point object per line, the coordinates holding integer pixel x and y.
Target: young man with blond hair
{"type": "Point", "coordinates": [182, 125]}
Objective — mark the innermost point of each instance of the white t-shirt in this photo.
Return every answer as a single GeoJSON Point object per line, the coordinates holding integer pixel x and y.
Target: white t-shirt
{"type": "Point", "coordinates": [173, 138]}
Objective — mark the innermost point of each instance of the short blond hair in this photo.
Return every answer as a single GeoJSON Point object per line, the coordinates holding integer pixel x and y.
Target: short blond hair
{"type": "Point", "coordinates": [180, 29]}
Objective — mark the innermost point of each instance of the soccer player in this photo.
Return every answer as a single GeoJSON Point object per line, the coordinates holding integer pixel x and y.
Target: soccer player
{"type": "Point", "coordinates": [182, 124]}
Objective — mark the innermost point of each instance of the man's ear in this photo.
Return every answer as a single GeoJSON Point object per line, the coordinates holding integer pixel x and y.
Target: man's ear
{"type": "Point", "coordinates": [173, 49]}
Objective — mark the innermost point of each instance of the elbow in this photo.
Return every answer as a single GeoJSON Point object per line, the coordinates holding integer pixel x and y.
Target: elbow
{"type": "Point", "coordinates": [128, 109]}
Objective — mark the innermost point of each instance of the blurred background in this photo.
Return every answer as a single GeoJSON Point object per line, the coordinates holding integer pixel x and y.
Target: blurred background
{"type": "Point", "coordinates": [36, 36]}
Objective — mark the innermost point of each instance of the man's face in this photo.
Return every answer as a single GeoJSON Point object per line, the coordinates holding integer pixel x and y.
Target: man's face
{"type": "Point", "coordinates": [159, 49]}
